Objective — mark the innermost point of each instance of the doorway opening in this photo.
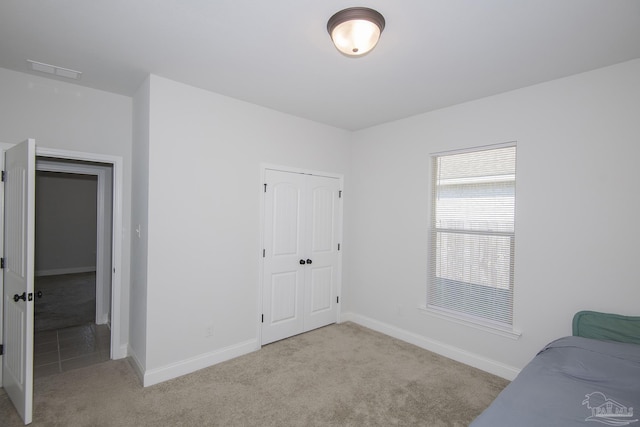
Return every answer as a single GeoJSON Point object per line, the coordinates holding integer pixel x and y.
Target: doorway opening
{"type": "Point", "coordinates": [18, 237]}
{"type": "Point", "coordinates": [73, 264]}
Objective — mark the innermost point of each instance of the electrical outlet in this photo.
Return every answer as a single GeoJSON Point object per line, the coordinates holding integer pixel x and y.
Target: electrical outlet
{"type": "Point", "coordinates": [208, 331]}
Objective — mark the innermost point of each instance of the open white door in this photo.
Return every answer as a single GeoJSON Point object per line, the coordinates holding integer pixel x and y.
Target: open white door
{"type": "Point", "coordinates": [19, 232]}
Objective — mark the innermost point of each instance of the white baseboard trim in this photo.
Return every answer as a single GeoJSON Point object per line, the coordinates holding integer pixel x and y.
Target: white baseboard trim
{"type": "Point", "coordinates": [187, 366]}
{"type": "Point", "coordinates": [446, 350]}
{"type": "Point", "coordinates": [135, 364]}
{"type": "Point", "coordinates": [59, 271]}
{"type": "Point", "coordinates": [121, 352]}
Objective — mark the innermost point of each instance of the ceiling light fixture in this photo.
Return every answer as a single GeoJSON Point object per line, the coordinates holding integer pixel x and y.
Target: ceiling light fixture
{"type": "Point", "coordinates": [356, 30]}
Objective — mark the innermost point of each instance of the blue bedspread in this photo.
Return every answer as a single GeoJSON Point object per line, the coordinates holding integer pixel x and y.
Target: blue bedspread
{"type": "Point", "coordinates": [573, 381]}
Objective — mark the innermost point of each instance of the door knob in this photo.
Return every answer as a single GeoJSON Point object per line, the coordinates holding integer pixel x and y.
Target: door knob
{"type": "Point", "coordinates": [39, 294]}
{"type": "Point", "coordinates": [308, 261]}
{"type": "Point", "coordinates": [22, 297]}
{"type": "Point", "coordinates": [302, 262]}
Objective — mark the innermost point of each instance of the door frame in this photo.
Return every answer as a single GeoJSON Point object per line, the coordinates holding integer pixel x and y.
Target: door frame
{"type": "Point", "coordinates": [50, 165]}
{"type": "Point", "coordinates": [117, 234]}
{"type": "Point", "coordinates": [263, 170]}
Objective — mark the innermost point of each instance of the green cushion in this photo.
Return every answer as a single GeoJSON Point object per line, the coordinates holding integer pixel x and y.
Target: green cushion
{"type": "Point", "coordinates": [608, 327]}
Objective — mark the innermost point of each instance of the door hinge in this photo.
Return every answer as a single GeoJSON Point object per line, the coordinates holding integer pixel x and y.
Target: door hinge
{"type": "Point", "coordinates": [337, 300]}
{"type": "Point", "coordinates": [262, 318]}
{"type": "Point", "coordinates": [340, 194]}
{"type": "Point", "coordinates": [264, 253]}
{"type": "Point", "coordinates": [338, 246]}
{"type": "Point", "coordinates": [265, 187]}
{"type": "Point", "coordinates": [3, 176]}
{"type": "Point", "coordinates": [1, 349]}
{"type": "Point", "coordinates": [1, 263]}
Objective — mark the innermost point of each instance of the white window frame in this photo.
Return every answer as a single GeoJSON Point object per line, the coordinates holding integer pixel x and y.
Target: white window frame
{"type": "Point", "coordinates": [460, 317]}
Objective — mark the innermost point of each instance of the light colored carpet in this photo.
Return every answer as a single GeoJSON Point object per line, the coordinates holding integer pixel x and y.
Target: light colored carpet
{"type": "Point", "coordinates": [340, 375]}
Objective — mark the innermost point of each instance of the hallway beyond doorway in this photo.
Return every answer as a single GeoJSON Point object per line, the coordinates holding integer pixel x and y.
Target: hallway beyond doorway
{"type": "Point", "coordinates": [67, 300]}
{"type": "Point", "coordinates": [65, 334]}
{"type": "Point", "coordinates": [61, 350]}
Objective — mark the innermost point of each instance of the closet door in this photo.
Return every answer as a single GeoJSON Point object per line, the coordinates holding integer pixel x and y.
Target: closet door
{"type": "Point", "coordinates": [321, 274]}
{"type": "Point", "coordinates": [301, 257]}
{"type": "Point", "coordinates": [283, 277]}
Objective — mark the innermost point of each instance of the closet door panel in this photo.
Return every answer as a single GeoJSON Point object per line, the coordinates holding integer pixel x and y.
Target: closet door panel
{"type": "Point", "coordinates": [321, 278]}
{"type": "Point", "coordinates": [283, 278]}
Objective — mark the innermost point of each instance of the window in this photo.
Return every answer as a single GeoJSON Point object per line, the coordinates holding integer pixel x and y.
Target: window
{"type": "Point", "coordinates": [472, 235]}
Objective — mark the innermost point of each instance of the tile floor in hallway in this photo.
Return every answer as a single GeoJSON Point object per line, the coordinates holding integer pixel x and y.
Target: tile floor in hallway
{"type": "Point", "coordinates": [62, 350]}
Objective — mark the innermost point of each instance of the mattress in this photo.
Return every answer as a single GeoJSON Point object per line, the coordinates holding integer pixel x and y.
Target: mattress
{"type": "Point", "coordinates": [573, 381]}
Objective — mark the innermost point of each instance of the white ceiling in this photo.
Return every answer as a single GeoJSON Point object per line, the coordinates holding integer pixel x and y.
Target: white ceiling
{"type": "Point", "coordinates": [277, 53]}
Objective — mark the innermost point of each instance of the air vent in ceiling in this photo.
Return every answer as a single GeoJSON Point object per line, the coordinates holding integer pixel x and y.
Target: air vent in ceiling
{"type": "Point", "coordinates": [55, 70]}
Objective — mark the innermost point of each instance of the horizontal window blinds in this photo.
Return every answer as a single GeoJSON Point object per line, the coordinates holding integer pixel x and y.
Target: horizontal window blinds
{"type": "Point", "coordinates": [473, 234]}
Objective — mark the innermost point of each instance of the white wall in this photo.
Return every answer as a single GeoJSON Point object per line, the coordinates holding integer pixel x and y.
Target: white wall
{"type": "Point", "coordinates": [65, 116]}
{"type": "Point", "coordinates": [65, 223]}
{"type": "Point", "coordinates": [140, 220]}
{"type": "Point", "coordinates": [577, 223]}
{"type": "Point", "coordinates": [204, 189]}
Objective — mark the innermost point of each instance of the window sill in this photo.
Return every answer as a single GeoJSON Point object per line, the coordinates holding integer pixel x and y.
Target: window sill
{"type": "Point", "coordinates": [503, 332]}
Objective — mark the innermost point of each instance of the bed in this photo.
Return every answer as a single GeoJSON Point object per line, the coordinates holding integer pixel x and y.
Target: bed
{"type": "Point", "coordinates": [589, 378]}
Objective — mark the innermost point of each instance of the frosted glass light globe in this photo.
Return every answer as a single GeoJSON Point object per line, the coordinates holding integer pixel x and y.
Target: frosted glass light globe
{"type": "Point", "coordinates": [356, 37]}
{"type": "Point", "coordinates": [356, 30]}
